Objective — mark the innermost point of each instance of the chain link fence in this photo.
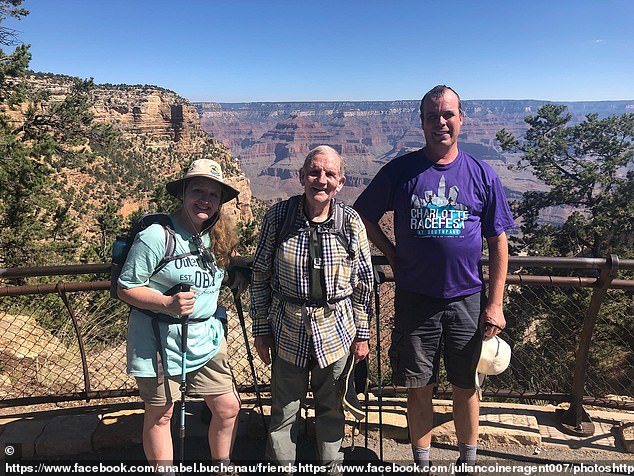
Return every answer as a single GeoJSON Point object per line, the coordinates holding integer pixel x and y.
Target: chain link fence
{"type": "Point", "coordinates": [46, 355]}
{"type": "Point", "coordinates": [67, 342]}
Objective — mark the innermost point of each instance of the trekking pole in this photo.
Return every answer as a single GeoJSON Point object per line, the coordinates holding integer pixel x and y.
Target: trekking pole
{"type": "Point", "coordinates": [238, 303]}
{"type": "Point", "coordinates": [366, 396]}
{"type": "Point", "coordinates": [377, 304]}
{"type": "Point", "coordinates": [182, 288]}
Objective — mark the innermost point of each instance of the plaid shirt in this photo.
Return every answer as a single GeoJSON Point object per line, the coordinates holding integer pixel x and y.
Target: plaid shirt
{"type": "Point", "coordinates": [300, 330]}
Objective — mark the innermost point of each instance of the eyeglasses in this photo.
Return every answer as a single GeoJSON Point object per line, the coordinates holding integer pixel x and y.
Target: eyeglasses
{"type": "Point", "coordinates": [207, 258]}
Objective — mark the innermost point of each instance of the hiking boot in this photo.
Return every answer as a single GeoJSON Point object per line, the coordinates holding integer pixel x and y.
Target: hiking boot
{"type": "Point", "coordinates": [412, 468]}
{"type": "Point", "coordinates": [462, 471]}
{"type": "Point", "coordinates": [424, 470]}
{"type": "Point", "coordinates": [225, 470]}
{"type": "Point", "coordinates": [350, 401]}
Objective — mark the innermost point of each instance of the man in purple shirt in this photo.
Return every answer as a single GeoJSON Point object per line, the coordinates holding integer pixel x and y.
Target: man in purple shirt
{"type": "Point", "coordinates": [444, 201]}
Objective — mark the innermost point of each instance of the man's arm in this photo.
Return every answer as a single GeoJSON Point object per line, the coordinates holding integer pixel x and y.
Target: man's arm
{"type": "Point", "coordinates": [362, 292]}
{"type": "Point", "coordinates": [498, 267]}
{"type": "Point", "coordinates": [380, 240]}
{"type": "Point", "coordinates": [262, 269]}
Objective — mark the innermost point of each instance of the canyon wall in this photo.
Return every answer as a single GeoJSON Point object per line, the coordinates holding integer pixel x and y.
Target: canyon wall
{"type": "Point", "coordinates": [271, 140]}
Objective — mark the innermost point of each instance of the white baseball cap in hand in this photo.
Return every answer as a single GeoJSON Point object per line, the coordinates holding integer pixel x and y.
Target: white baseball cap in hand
{"type": "Point", "coordinates": [495, 357]}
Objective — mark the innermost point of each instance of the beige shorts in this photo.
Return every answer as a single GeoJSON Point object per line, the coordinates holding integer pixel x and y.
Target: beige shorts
{"type": "Point", "coordinates": [213, 378]}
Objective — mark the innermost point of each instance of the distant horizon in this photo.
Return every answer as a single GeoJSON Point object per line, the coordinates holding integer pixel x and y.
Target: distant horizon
{"type": "Point", "coordinates": [299, 101]}
{"type": "Point", "coordinates": [243, 51]}
{"type": "Point", "coordinates": [409, 100]}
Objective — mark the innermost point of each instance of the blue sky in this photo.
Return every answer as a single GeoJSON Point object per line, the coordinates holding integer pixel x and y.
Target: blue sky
{"type": "Point", "coordinates": [302, 50]}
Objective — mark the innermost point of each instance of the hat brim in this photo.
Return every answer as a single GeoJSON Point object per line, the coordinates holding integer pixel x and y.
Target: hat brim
{"type": "Point", "coordinates": [504, 349]}
{"type": "Point", "coordinates": [176, 187]}
{"type": "Point", "coordinates": [479, 380]}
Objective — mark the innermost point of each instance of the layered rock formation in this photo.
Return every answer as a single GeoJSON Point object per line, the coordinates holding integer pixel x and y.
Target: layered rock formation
{"type": "Point", "coordinates": [160, 114]}
{"type": "Point", "coordinates": [162, 133]}
{"type": "Point", "coordinates": [271, 139]}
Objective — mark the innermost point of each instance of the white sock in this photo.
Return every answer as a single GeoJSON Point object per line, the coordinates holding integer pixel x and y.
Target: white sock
{"type": "Point", "coordinates": [421, 455]}
{"type": "Point", "coordinates": [467, 453]}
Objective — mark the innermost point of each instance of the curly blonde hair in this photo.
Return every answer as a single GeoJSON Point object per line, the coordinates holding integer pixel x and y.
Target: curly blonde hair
{"type": "Point", "coordinates": [224, 238]}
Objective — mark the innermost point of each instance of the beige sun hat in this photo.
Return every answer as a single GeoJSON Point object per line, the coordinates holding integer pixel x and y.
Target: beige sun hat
{"type": "Point", "coordinates": [203, 168]}
{"type": "Point", "coordinates": [495, 357]}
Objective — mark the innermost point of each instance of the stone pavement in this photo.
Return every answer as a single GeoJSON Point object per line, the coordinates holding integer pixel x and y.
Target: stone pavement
{"type": "Point", "coordinates": [113, 430]}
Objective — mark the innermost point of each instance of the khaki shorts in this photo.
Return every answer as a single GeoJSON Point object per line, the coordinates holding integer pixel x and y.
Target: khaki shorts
{"type": "Point", "coordinates": [213, 378]}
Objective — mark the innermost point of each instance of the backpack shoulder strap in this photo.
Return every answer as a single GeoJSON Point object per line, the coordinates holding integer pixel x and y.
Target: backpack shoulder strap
{"type": "Point", "coordinates": [289, 220]}
{"type": "Point", "coordinates": [165, 221]}
{"type": "Point", "coordinates": [170, 241]}
{"type": "Point", "coordinates": [338, 216]}
{"type": "Point", "coordinates": [339, 227]}
{"type": "Point", "coordinates": [148, 219]}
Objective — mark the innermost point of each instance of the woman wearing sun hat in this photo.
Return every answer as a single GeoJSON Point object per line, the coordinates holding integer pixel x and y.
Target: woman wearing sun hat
{"type": "Point", "coordinates": [204, 243]}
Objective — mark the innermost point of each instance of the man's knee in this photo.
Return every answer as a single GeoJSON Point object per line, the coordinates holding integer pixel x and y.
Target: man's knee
{"type": "Point", "coordinates": [425, 391]}
{"type": "Point", "coordinates": [463, 394]}
{"type": "Point", "coordinates": [420, 395]}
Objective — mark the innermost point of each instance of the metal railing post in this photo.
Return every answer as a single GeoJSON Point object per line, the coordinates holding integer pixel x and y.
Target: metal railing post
{"type": "Point", "coordinates": [576, 420]}
{"type": "Point", "coordinates": [84, 363]}
{"type": "Point", "coordinates": [377, 312]}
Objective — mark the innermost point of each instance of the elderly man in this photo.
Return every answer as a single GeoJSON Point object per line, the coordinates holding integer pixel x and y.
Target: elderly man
{"type": "Point", "coordinates": [310, 303]}
{"type": "Point", "coordinates": [444, 201]}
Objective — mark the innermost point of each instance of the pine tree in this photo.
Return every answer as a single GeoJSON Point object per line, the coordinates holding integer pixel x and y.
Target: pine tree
{"type": "Point", "coordinates": [588, 169]}
{"type": "Point", "coordinates": [37, 226]}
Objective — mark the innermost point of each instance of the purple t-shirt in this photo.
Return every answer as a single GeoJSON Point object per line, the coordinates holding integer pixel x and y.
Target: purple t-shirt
{"type": "Point", "coordinates": [441, 213]}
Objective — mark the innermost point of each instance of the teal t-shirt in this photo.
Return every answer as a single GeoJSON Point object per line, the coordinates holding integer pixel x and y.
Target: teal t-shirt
{"type": "Point", "coordinates": [203, 338]}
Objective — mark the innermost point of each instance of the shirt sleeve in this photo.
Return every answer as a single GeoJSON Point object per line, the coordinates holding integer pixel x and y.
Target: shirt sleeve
{"type": "Point", "coordinates": [362, 290]}
{"type": "Point", "coordinates": [147, 250]}
{"type": "Point", "coordinates": [260, 288]}
{"type": "Point", "coordinates": [497, 216]}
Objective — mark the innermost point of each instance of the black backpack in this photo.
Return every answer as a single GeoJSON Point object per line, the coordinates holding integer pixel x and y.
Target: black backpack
{"type": "Point", "coordinates": [287, 229]}
{"type": "Point", "coordinates": [123, 243]}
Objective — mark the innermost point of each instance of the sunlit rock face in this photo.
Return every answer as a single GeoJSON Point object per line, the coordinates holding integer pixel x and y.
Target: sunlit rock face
{"type": "Point", "coordinates": [271, 139]}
